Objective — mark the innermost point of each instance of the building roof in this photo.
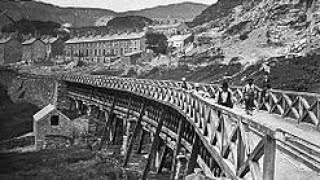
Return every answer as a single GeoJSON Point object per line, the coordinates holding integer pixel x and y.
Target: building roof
{"type": "Point", "coordinates": [166, 26]}
{"type": "Point", "coordinates": [5, 40]}
{"type": "Point", "coordinates": [49, 40]}
{"type": "Point", "coordinates": [124, 36]}
{"type": "Point", "coordinates": [133, 53]}
{"type": "Point", "coordinates": [179, 37]}
{"type": "Point", "coordinates": [43, 112]}
{"type": "Point", "coordinates": [29, 41]}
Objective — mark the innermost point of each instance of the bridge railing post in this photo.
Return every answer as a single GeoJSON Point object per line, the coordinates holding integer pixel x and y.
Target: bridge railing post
{"type": "Point", "coordinates": [177, 149]}
{"type": "Point", "coordinates": [155, 144]}
{"type": "Point", "coordinates": [192, 162]}
{"type": "Point", "coordinates": [135, 134]}
{"type": "Point", "coordinates": [269, 158]}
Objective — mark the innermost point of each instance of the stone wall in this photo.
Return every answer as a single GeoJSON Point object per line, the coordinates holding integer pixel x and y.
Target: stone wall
{"type": "Point", "coordinates": [38, 90]}
{"type": "Point", "coordinates": [56, 142]}
{"type": "Point", "coordinates": [17, 142]}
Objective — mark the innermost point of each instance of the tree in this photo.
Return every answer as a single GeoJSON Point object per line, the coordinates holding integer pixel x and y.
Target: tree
{"type": "Point", "coordinates": [157, 42]}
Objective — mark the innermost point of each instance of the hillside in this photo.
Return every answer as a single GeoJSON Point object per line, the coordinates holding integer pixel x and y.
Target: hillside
{"type": "Point", "coordinates": [186, 11]}
{"type": "Point", "coordinates": [218, 10]}
{"type": "Point", "coordinates": [276, 32]}
{"type": "Point", "coordinates": [259, 30]}
{"type": "Point", "coordinates": [79, 17]}
{"type": "Point", "coordinates": [46, 12]}
{"type": "Point", "coordinates": [129, 23]}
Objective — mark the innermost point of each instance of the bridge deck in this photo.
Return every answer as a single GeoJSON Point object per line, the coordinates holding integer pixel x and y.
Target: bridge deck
{"type": "Point", "coordinates": [273, 121]}
{"type": "Point", "coordinates": [290, 168]}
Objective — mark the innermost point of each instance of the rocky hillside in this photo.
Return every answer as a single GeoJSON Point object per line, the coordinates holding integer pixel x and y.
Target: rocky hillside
{"type": "Point", "coordinates": [186, 11]}
{"type": "Point", "coordinates": [220, 9]}
{"type": "Point", "coordinates": [258, 30]}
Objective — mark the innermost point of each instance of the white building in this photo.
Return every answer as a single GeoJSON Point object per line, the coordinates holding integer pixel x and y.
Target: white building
{"type": "Point", "coordinates": [179, 41]}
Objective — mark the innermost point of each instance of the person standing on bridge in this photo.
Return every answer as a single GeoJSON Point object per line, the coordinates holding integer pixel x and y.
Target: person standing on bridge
{"type": "Point", "coordinates": [197, 91]}
{"type": "Point", "coordinates": [266, 86]}
{"type": "Point", "coordinates": [224, 96]}
{"type": "Point", "coordinates": [249, 92]}
{"type": "Point", "coordinates": [184, 84]}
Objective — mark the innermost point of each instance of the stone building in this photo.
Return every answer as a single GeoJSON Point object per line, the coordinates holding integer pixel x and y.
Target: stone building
{"type": "Point", "coordinates": [54, 46]}
{"type": "Point", "coordinates": [51, 128]}
{"type": "Point", "coordinates": [170, 29]}
{"type": "Point", "coordinates": [131, 58]}
{"type": "Point", "coordinates": [101, 48]}
{"type": "Point", "coordinates": [10, 50]}
{"type": "Point", "coordinates": [180, 41]}
{"type": "Point", "coordinates": [33, 50]}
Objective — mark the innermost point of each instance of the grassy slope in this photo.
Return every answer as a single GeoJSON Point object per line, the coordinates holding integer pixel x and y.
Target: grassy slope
{"type": "Point", "coordinates": [66, 164]}
{"type": "Point", "coordinates": [15, 118]}
{"type": "Point", "coordinates": [184, 10]}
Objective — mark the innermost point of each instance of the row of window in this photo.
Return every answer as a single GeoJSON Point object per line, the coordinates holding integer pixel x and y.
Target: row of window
{"type": "Point", "coordinates": [108, 44]}
{"type": "Point", "coordinates": [99, 52]}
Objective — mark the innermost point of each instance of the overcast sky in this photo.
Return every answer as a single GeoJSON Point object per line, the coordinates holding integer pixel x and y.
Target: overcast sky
{"type": "Point", "coordinates": [120, 5]}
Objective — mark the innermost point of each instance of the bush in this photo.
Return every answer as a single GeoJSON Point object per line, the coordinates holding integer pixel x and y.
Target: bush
{"type": "Point", "coordinates": [243, 37]}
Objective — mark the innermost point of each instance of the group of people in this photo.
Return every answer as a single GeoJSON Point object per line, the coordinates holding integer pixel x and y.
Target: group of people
{"type": "Point", "coordinates": [225, 98]}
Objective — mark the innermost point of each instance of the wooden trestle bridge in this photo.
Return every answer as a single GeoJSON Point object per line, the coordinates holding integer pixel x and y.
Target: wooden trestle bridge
{"type": "Point", "coordinates": [223, 142]}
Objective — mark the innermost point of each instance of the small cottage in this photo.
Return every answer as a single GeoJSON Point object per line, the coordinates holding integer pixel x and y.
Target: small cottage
{"type": "Point", "coordinates": [33, 50]}
{"type": "Point", "coordinates": [180, 41]}
{"type": "Point", "coordinates": [54, 46]}
{"type": "Point", "coordinates": [10, 50]}
{"type": "Point", "coordinates": [131, 58]}
{"type": "Point", "coordinates": [52, 129]}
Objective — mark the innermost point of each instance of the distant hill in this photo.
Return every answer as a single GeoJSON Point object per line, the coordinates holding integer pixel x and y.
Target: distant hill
{"type": "Point", "coordinates": [46, 12]}
{"type": "Point", "coordinates": [185, 11]}
{"type": "Point", "coordinates": [79, 17]}
{"type": "Point", "coordinates": [221, 9]}
{"type": "Point", "coordinates": [26, 27]}
{"type": "Point", "coordinates": [115, 25]}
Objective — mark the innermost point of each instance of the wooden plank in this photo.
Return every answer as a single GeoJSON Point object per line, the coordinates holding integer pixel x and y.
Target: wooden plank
{"type": "Point", "coordinates": [194, 155]}
{"type": "Point", "coordinates": [177, 149]}
{"type": "Point", "coordinates": [141, 142]}
{"type": "Point", "coordinates": [115, 124]}
{"type": "Point", "coordinates": [127, 114]}
{"type": "Point", "coordinates": [255, 170]}
{"type": "Point", "coordinates": [206, 169]}
{"type": "Point", "coordinates": [269, 158]}
{"type": "Point", "coordinates": [223, 134]}
{"type": "Point", "coordinates": [154, 146]}
{"type": "Point", "coordinates": [240, 148]}
{"type": "Point", "coordinates": [318, 114]}
{"type": "Point", "coordinates": [254, 156]}
{"type": "Point", "coordinates": [105, 135]}
{"type": "Point", "coordinates": [135, 133]}
{"type": "Point", "coordinates": [162, 158]}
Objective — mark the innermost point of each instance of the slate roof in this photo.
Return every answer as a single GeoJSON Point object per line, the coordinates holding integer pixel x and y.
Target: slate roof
{"type": "Point", "coordinates": [43, 112]}
{"type": "Point", "coordinates": [5, 40]}
{"type": "Point", "coordinates": [29, 41]}
{"type": "Point", "coordinates": [179, 37]}
{"type": "Point", "coordinates": [166, 26]}
{"type": "Point", "coordinates": [49, 40]}
{"type": "Point", "coordinates": [124, 36]}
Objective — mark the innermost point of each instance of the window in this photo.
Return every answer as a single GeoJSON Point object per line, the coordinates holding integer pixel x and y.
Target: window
{"type": "Point", "coordinates": [54, 121]}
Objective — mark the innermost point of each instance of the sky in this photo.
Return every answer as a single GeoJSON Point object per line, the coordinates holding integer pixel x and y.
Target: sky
{"type": "Point", "coordinates": [120, 5]}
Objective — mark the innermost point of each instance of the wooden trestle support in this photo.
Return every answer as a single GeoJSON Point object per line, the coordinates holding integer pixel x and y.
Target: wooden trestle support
{"type": "Point", "coordinates": [216, 139]}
